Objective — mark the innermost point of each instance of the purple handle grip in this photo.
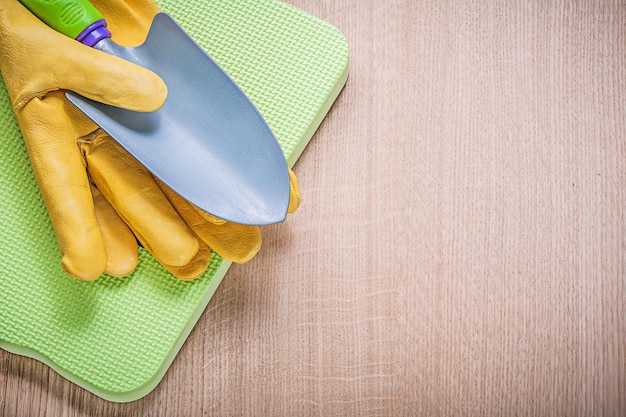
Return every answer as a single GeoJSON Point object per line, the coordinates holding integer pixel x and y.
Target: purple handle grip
{"type": "Point", "coordinates": [94, 33]}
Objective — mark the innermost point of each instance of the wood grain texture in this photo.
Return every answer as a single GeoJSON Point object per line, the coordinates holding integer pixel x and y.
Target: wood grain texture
{"type": "Point", "coordinates": [461, 245]}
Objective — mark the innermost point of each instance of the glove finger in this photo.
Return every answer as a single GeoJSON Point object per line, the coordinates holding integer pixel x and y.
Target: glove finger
{"type": "Point", "coordinates": [130, 189]}
{"type": "Point", "coordinates": [60, 172]}
{"type": "Point", "coordinates": [112, 80]}
{"type": "Point", "coordinates": [46, 61]}
{"type": "Point", "coordinates": [233, 242]}
{"type": "Point", "coordinates": [195, 267]}
{"type": "Point", "coordinates": [120, 243]}
{"type": "Point", "coordinates": [294, 193]}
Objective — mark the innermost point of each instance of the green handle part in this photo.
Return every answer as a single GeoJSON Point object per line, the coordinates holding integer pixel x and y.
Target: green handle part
{"type": "Point", "coordinates": [69, 17]}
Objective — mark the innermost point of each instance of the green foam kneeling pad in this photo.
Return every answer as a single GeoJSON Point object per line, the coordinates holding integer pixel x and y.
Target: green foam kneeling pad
{"type": "Point", "coordinates": [116, 337]}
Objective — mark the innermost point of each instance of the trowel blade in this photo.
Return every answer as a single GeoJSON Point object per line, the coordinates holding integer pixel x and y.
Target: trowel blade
{"type": "Point", "coordinates": [208, 142]}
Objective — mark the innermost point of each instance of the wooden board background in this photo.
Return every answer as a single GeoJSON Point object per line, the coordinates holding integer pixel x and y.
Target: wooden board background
{"type": "Point", "coordinates": [461, 246]}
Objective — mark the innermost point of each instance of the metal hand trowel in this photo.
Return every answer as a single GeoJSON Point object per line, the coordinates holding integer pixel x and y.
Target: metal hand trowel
{"type": "Point", "coordinates": [208, 142]}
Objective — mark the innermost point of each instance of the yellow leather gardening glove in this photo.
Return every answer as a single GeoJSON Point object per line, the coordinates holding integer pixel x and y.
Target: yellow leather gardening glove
{"type": "Point", "coordinates": [63, 144]}
{"type": "Point", "coordinates": [37, 64]}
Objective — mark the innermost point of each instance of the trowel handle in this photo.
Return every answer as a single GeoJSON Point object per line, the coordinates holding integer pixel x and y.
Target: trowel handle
{"type": "Point", "coordinates": [77, 19]}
